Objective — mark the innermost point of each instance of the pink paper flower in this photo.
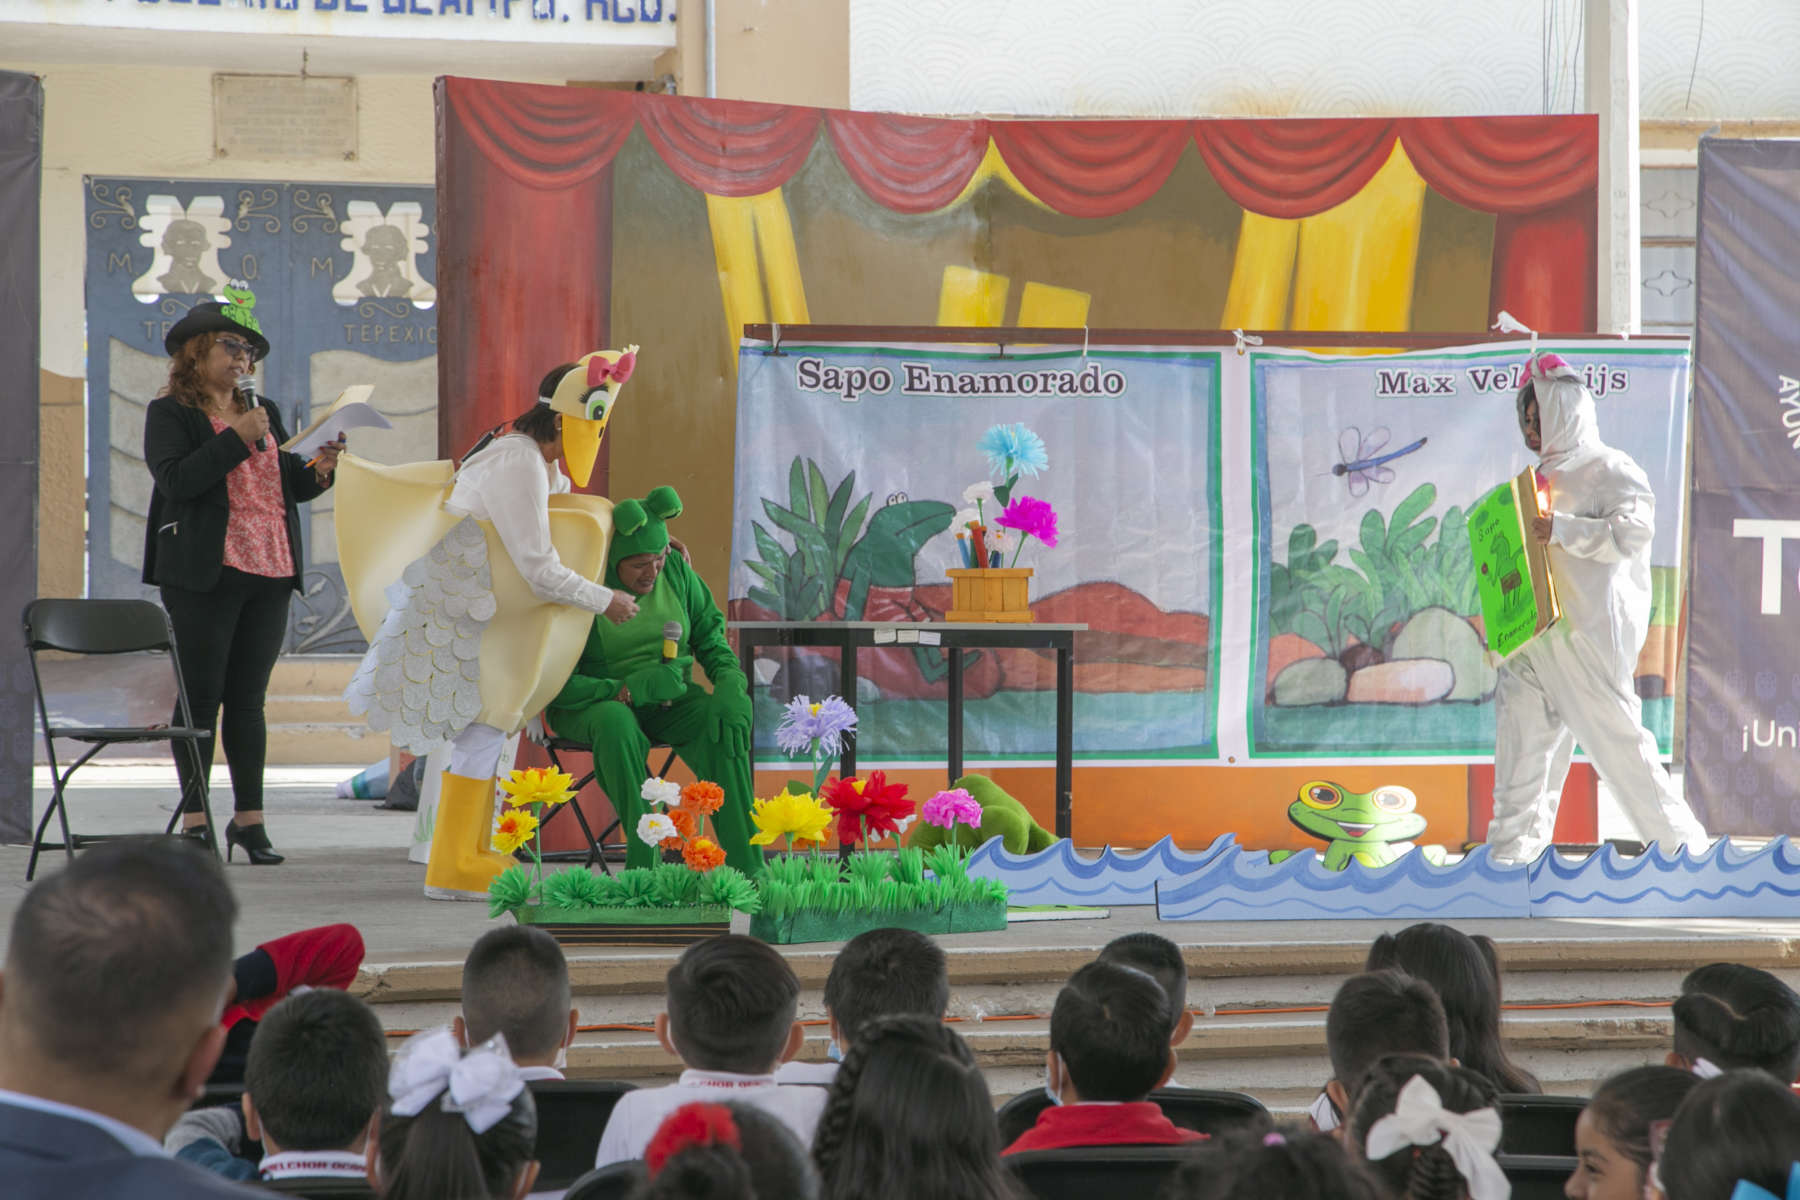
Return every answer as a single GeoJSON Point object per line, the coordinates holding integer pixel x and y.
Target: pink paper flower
{"type": "Point", "coordinates": [950, 808]}
{"type": "Point", "coordinates": [1031, 517]}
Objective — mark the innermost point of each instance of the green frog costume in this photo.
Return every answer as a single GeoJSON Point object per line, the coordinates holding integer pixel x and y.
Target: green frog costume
{"type": "Point", "coordinates": [711, 732]}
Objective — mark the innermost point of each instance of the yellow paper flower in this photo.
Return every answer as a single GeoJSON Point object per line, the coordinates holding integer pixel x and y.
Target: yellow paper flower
{"type": "Point", "coordinates": [515, 829]}
{"type": "Point", "coordinates": [537, 785]}
{"type": "Point", "coordinates": [786, 814]}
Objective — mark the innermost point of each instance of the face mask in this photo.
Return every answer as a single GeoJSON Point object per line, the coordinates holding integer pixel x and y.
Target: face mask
{"type": "Point", "coordinates": [1051, 1093]}
{"type": "Point", "coordinates": [561, 1061]}
{"type": "Point", "coordinates": [833, 1051]}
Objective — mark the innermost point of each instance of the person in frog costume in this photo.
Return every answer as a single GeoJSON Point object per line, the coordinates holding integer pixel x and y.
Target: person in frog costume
{"type": "Point", "coordinates": [626, 693]}
{"type": "Point", "coordinates": [1374, 828]}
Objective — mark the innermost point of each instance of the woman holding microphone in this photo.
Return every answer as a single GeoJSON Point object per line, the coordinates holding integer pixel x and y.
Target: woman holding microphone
{"type": "Point", "coordinates": [223, 544]}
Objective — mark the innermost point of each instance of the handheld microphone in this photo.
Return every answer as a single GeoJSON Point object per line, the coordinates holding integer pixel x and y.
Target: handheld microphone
{"type": "Point", "coordinates": [671, 644]}
{"type": "Point", "coordinates": [246, 386]}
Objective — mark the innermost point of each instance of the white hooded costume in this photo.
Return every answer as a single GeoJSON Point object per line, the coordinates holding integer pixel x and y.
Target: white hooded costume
{"type": "Point", "coordinates": [1573, 683]}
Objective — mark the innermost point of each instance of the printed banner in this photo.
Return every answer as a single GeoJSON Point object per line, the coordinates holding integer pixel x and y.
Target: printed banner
{"type": "Point", "coordinates": [1368, 638]}
{"type": "Point", "coordinates": [852, 465]}
{"type": "Point", "coordinates": [1743, 727]}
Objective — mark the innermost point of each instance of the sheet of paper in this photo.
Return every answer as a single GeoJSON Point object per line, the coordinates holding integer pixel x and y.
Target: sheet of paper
{"type": "Point", "coordinates": [351, 410]}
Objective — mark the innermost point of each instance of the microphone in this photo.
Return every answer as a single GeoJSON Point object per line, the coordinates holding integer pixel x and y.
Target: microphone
{"type": "Point", "coordinates": [671, 644]}
{"type": "Point", "coordinates": [246, 386]}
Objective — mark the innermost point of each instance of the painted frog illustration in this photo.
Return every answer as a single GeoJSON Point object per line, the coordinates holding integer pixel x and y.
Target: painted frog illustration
{"type": "Point", "coordinates": [1374, 828]}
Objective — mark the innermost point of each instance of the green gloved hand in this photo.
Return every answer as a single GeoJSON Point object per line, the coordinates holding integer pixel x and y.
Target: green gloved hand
{"type": "Point", "coordinates": [728, 720]}
{"type": "Point", "coordinates": [660, 683]}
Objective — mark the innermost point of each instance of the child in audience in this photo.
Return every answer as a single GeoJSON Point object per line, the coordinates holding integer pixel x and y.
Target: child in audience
{"type": "Point", "coordinates": [876, 974]}
{"type": "Point", "coordinates": [909, 1118]}
{"type": "Point", "coordinates": [1740, 1126]}
{"type": "Point", "coordinates": [1261, 1166]}
{"type": "Point", "coordinates": [1160, 959]}
{"type": "Point", "coordinates": [1372, 1016]}
{"type": "Point", "coordinates": [323, 957]}
{"type": "Point", "coordinates": [1730, 1016]}
{"type": "Point", "coordinates": [725, 1152]}
{"type": "Point", "coordinates": [730, 1019]}
{"type": "Point", "coordinates": [1109, 1049]}
{"type": "Point", "coordinates": [314, 1081]}
{"type": "Point", "coordinates": [458, 1124]}
{"type": "Point", "coordinates": [515, 982]}
{"type": "Point", "coordinates": [1612, 1138]}
{"type": "Point", "coordinates": [1429, 1131]}
{"type": "Point", "coordinates": [1465, 973]}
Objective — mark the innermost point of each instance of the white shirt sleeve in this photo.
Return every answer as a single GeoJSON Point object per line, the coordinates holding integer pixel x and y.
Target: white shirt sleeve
{"type": "Point", "coordinates": [508, 485]}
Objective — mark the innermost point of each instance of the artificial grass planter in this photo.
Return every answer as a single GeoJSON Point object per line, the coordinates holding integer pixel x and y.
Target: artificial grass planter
{"type": "Point", "coordinates": [818, 898]}
{"type": "Point", "coordinates": [670, 904]}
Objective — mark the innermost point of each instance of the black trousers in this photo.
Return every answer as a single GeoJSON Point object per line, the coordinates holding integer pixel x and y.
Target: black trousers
{"type": "Point", "coordinates": [227, 640]}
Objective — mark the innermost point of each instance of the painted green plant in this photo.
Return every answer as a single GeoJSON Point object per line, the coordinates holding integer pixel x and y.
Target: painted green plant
{"type": "Point", "coordinates": [835, 539]}
{"type": "Point", "coordinates": [1398, 571]}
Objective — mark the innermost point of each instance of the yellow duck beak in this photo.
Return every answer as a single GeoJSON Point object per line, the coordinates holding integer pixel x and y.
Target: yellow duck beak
{"type": "Point", "coordinates": [581, 446]}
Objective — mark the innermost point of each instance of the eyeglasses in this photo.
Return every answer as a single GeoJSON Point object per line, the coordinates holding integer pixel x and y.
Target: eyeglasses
{"type": "Point", "coordinates": [236, 346]}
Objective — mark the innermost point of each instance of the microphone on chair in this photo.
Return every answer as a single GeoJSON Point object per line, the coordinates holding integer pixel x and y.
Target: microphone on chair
{"type": "Point", "coordinates": [246, 386]}
{"type": "Point", "coordinates": [671, 644]}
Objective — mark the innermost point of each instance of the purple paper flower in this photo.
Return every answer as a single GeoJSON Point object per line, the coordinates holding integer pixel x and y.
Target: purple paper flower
{"type": "Point", "coordinates": [950, 808]}
{"type": "Point", "coordinates": [805, 723]}
{"type": "Point", "coordinates": [1031, 517]}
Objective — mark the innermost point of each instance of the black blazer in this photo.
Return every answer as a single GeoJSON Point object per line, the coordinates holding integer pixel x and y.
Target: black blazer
{"type": "Point", "coordinates": [184, 542]}
{"type": "Point", "coordinates": [46, 1157]}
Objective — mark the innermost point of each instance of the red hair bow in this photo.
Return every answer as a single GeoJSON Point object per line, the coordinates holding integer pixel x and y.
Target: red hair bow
{"type": "Point", "coordinates": [618, 371]}
{"type": "Point", "coordinates": [688, 1126]}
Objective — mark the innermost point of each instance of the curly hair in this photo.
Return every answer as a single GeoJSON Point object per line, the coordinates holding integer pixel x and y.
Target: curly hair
{"type": "Point", "coordinates": [185, 384]}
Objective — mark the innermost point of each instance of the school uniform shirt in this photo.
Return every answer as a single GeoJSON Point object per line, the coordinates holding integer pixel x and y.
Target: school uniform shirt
{"type": "Point", "coordinates": [1138, 1123]}
{"type": "Point", "coordinates": [314, 1164]}
{"type": "Point", "coordinates": [811, 1074]}
{"type": "Point", "coordinates": [638, 1114]}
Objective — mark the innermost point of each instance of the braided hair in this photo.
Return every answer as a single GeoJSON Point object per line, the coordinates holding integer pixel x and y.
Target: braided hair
{"type": "Point", "coordinates": [1417, 1172]}
{"type": "Point", "coordinates": [1739, 1017]}
{"type": "Point", "coordinates": [909, 1115]}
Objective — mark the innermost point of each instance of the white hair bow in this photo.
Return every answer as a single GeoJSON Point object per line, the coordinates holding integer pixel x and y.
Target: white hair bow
{"type": "Point", "coordinates": [481, 1085]}
{"type": "Point", "coordinates": [1420, 1119]}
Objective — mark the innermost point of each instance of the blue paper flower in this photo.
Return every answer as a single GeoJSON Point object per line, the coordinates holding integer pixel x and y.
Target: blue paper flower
{"type": "Point", "coordinates": [805, 723]}
{"type": "Point", "coordinates": [1012, 448]}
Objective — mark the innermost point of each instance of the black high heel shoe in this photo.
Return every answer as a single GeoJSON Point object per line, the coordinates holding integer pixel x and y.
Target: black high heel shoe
{"type": "Point", "coordinates": [255, 841]}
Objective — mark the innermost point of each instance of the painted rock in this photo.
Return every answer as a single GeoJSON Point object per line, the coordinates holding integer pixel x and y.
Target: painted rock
{"type": "Point", "coordinates": [1310, 681]}
{"type": "Point", "coordinates": [1402, 681]}
{"type": "Point", "coordinates": [1441, 634]}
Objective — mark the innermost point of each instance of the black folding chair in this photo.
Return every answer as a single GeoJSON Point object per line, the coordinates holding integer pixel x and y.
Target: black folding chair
{"type": "Point", "coordinates": [1537, 1176]}
{"type": "Point", "coordinates": [571, 1115]}
{"type": "Point", "coordinates": [1203, 1110]}
{"type": "Point", "coordinates": [615, 1181]}
{"type": "Point", "coordinates": [322, 1187]}
{"type": "Point", "coordinates": [1087, 1171]}
{"type": "Point", "coordinates": [594, 854]}
{"type": "Point", "coordinates": [1539, 1125]}
{"type": "Point", "coordinates": [106, 627]}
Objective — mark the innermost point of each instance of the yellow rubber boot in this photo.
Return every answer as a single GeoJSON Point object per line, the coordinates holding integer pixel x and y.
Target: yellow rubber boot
{"type": "Point", "coordinates": [463, 861]}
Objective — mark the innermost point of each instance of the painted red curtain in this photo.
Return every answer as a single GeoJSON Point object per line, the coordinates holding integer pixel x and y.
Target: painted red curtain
{"type": "Point", "coordinates": [524, 244]}
{"type": "Point", "coordinates": [1537, 174]}
{"type": "Point", "coordinates": [908, 164]}
{"type": "Point", "coordinates": [1293, 168]}
{"type": "Point", "coordinates": [729, 148]}
{"type": "Point", "coordinates": [1091, 168]}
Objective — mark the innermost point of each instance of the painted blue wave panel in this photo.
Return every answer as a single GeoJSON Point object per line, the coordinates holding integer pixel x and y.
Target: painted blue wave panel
{"type": "Point", "coordinates": [1722, 882]}
{"type": "Point", "coordinates": [1059, 875]}
{"type": "Point", "coordinates": [1242, 885]}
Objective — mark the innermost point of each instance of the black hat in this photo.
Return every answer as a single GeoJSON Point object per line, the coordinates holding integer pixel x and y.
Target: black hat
{"type": "Point", "coordinates": [209, 316]}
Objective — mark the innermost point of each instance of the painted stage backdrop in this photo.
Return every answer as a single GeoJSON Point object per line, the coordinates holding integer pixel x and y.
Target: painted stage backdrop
{"type": "Point", "coordinates": [852, 466]}
{"type": "Point", "coordinates": [344, 277]}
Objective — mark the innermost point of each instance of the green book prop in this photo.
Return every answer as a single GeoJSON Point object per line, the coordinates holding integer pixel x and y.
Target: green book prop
{"type": "Point", "coordinates": [1512, 570]}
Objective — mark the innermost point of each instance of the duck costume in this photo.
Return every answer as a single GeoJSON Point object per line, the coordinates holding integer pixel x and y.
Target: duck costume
{"type": "Point", "coordinates": [1574, 681]}
{"type": "Point", "coordinates": [711, 732]}
{"type": "Point", "coordinates": [475, 587]}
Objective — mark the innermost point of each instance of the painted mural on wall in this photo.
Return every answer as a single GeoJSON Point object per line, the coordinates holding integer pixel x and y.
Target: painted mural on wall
{"type": "Point", "coordinates": [345, 276]}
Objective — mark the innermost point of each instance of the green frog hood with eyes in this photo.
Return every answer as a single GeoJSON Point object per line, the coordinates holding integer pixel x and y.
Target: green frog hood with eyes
{"type": "Point", "coordinates": [1374, 828]}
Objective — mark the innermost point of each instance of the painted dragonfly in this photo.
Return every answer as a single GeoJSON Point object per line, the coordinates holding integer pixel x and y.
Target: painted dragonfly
{"type": "Point", "coordinates": [1362, 461]}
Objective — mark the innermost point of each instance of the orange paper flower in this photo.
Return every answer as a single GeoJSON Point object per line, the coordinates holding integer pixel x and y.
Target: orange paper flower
{"type": "Point", "coordinates": [703, 854]}
{"type": "Point", "coordinates": [685, 824]}
{"type": "Point", "coordinates": [703, 797]}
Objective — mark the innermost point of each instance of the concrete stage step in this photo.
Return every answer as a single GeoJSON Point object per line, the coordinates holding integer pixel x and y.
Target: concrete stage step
{"type": "Point", "coordinates": [1582, 1003]}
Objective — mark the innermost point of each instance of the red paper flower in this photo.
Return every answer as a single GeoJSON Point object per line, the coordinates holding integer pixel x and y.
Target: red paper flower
{"type": "Point", "coordinates": [870, 807]}
{"type": "Point", "coordinates": [688, 1126]}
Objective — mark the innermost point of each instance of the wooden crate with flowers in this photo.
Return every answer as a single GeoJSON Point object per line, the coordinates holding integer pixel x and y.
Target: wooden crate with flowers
{"type": "Point", "coordinates": [807, 896]}
{"type": "Point", "coordinates": [670, 904]}
{"type": "Point", "coordinates": [987, 587]}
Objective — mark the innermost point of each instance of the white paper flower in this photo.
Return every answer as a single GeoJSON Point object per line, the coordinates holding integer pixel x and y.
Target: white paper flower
{"type": "Point", "coordinates": [652, 828]}
{"type": "Point", "coordinates": [660, 791]}
{"type": "Point", "coordinates": [1001, 538]}
{"type": "Point", "coordinates": [979, 492]}
{"type": "Point", "coordinates": [965, 517]}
